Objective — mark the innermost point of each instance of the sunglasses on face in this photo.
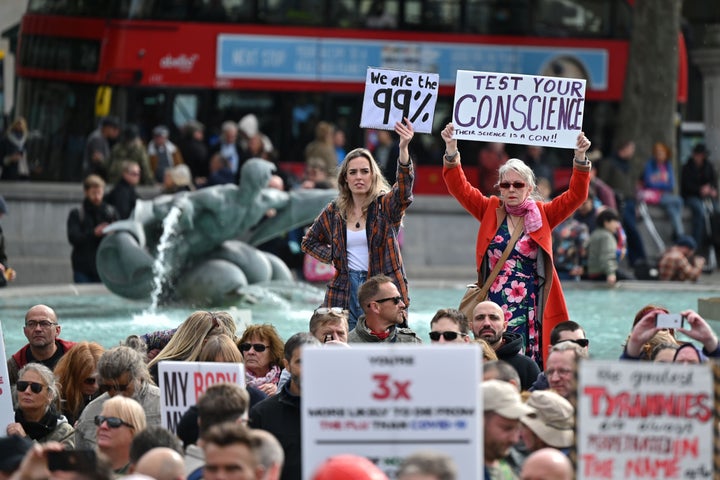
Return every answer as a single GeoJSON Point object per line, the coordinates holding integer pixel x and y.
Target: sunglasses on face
{"type": "Point", "coordinates": [395, 300]}
{"type": "Point", "coordinates": [106, 387]}
{"type": "Point", "coordinates": [258, 347]}
{"type": "Point", "coordinates": [34, 386]}
{"type": "Point", "coordinates": [515, 185]}
{"type": "Point", "coordinates": [448, 336]}
{"type": "Point", "coordinates": [583, 342]}
{"type": "Point", "coordinates": [112, 422]}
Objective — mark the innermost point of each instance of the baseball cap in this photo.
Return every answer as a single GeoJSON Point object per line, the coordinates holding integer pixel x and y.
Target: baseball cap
{"type": "Point", "coordinates": [553, 420]}
{"type": "Point", "coordinates": [504, 399]}
{"type": "Point", "coordinates": [348, 467]}
{"type": "Point", "coordinates": [700, 148]}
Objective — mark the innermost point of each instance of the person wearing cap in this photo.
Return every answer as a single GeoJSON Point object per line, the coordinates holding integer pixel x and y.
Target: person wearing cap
{"type": "Point", "coordinates": [503, 408]}
{"type": "Point", "coordinates": [348, 467]}
{"type": "Point", "coordinates": [551, 425]}
{"type": "Point", "coordinates": [163, 153]}
{"type": "Point", "coordinates": [698, 184]}
{"type": "Point", "coordinates": [7, 274]}
{"type": "Point", "coordinates": [679, 262]}
{"type": "Point", "coordinates": [547, 464]}
{"type": "Point", "coordinates": [97, 147]}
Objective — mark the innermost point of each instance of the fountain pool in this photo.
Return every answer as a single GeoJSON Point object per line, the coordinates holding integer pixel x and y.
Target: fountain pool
{"type": "Point", "coordinates": [105, 318]}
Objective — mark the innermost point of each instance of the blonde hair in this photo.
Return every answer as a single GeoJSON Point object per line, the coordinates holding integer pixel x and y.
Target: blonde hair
{"type": "Point", "coordinates": [188, 340]}
{"type": "Point", "coordinates": [378, 186]}
{"type": "Point", "coordinates": [128, 410]}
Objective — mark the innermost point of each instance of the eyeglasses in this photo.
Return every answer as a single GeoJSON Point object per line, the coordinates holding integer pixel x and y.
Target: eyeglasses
{"type": "Point", "coordinates": [583, 342]}
{"type": "Point", "coordinates": [259, 347]}
{"type": "Point", "coordinates": [106, 387]}
{"type": "Point", "coordinates": [112, 422]}
{"type": "Point", "coordinates": [41, 324]}
{"type": "Point", "coordinates": [34, 386]}
{"type": "Point", "coordinates": [89, 381]}
{"type": "Point", "coordinates": [395, 300]}
{"type": "Point", "coordinates": [333, 310]}
{"type": "Point", "coordinates": [448, 336]}
{"type": "Point", "coordinates": [516, 185]}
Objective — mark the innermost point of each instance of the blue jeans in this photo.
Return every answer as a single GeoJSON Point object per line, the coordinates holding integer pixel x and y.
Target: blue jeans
{"type": "Point", "coordinates": [357, 278]}
{"type": "Point", "coordinates": [673, 206]}
{"type": "Point", "coordinates": [697, 207]}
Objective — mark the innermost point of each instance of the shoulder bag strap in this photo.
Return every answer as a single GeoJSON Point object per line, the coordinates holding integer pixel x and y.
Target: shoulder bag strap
{"type": "Point", "coordinates": [501, 261]}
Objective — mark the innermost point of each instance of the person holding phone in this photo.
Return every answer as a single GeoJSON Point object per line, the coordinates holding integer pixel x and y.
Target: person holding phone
{"type": "Point", "coordinates": [37, 416]}
{"type": "Point", "coordinates": [527, 286]}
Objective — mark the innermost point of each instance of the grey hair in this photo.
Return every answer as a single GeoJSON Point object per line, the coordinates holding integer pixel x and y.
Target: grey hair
{"type": "Point", "coordinates": [48, 377]}
{"type": "Point", "coordinates": [569, 346]}
{"type": "Point", "coordinates": [505, 371]}
{"type": "Point", "coordinates": [267, 449]}
{"type": "Point", "coordinates": [518, 166]}
{"type": "Point", "coordinates": [439, 465]}
{"type": "Point", "coordinates": [122, 359]}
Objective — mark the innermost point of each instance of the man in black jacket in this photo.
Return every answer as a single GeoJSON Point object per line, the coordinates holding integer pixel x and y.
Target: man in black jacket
{"type": "Point", "coordinates": [123, 196]}
{"type": "Point", "coordinates": [280, 414]}
{"type": "Point", "coordinates": [489, 323]}
{"type": "Point", "coordinates": [85, 227]}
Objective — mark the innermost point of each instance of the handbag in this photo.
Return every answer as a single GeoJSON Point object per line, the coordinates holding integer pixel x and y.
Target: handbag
{"type": "Point", "coordinates": [476, 294]}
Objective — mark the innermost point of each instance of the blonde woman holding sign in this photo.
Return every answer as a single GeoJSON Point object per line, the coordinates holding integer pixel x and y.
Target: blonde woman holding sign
{"type": "Point", "coordinates": [358, 232]}
{"type": "Point", "coordinates": [527, 286]}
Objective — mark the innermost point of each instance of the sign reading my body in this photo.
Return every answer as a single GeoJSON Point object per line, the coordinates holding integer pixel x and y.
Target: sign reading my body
{"type": "Point", "coordinates": [556, 105]}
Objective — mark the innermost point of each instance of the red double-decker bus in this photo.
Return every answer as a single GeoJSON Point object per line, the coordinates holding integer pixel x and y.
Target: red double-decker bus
{"type": "Point", "coordinates": [292, 62]}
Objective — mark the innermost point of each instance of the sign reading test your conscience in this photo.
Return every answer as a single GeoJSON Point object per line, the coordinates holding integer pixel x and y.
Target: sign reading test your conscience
{"type": "Point", "coordinates": [385, 403]}
{"type": "Point", "coordinates": [391, 95]}
{"type": "Point", "coordinates": [7, 415]}
{"type": "Point", "coordinates": [182, 383]}
{"type": "Point", "coordinates": [513, 108]}
{"type": "Point", "coordinates": [645, 420]}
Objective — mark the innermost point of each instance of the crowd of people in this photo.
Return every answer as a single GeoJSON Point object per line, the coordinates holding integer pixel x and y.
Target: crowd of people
{"type": "Point", "coordinates": [85, 397]}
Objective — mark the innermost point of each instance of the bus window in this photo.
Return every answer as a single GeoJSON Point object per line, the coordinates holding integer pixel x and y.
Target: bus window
{"type": "Point", "coordinates": [185, 108]}
{"type": "Point", "coordinates": [380, 13]}
{"type": "Point", "coordinates": [437, 15]}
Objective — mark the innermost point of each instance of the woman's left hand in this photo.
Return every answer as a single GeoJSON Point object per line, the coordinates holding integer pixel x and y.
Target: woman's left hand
{"type": "Point", "coordinates": [405, 130]}
{"type": "Point", "coordinates": [583, 145]}
{"type": "Point", "coordinates": [268, 389]}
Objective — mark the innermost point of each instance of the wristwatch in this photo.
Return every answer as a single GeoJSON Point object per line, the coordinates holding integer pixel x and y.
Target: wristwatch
{"type": "Point", "coordinates": [451, 158]}
{"type": "Point", "coordinates": [584, 161]}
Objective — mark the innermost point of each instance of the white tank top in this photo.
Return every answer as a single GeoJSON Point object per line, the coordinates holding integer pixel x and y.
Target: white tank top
{"type": "Point", "coordinates": [357, 250]}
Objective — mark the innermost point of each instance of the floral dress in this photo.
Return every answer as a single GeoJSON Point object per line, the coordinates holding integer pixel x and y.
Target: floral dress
{"type": "Point", "coordinates": [515, 287]}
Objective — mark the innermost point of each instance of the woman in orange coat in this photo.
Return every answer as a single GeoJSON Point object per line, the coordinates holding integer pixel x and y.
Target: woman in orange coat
{"type": "Point", "coordinates": [527, 287]}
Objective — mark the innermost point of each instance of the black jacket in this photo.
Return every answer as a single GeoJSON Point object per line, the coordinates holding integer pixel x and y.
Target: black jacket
{"type": "Point", "coordinates": [123, 197]}
{"type": "Point", "coordinates": [81, 224]}
{"type": "Point", "coordinates": [509, 352]}
{"type": "Point", "coordinates": [280, 415]}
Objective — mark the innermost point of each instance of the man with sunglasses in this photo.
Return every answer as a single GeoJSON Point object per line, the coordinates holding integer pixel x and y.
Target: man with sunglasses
{"type": "Point", "coordinates": [42, 330]}
{"type": "Point", "coordinates": [384, 312]}
{"type": "Point", "coordinates": [449, 325]}
{"type": "Point", "coordinates": [567, 331]}
{"type": "Point", "coordinates": [122, 371]}
{"type": "Point", "coordinates": [489, 323]}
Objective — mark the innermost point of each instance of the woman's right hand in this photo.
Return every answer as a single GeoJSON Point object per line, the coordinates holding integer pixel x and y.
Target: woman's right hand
{"type": "Point", "coordinates": [450, 142]}
{"type": "Point", "coordinates": [268, 389]}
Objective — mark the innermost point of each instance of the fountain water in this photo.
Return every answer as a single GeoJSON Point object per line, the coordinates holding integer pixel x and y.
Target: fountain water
{"type": "Point", "coordinates": [162, 268]}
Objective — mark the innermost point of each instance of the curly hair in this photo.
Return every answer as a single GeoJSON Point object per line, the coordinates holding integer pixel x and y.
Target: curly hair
{"type": "Point", "coordinates": [78, 364]}
{"type": "Point", "coordinates": [266, 333]}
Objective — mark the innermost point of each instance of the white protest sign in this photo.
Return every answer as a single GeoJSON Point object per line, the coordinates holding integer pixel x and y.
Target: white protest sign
{"type": "Point", "coordinates": [386, 402]}
{"type": "Point", "coordinates": [514, 108]}
{"type": "Point", "coordinates": [391, 95]}
{"type": "Point", "coordinates": [7, 415]}
{"type": "Point", "coordinates": [181, 383]}
{"type": "Point", "coordinates": [644, 420]}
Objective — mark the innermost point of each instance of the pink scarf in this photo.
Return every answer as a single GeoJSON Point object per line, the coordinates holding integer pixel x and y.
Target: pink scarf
{"type": "Point", "coordinates": [530, 211]}
{"type": "Point", "coordinates": [273, 376]}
